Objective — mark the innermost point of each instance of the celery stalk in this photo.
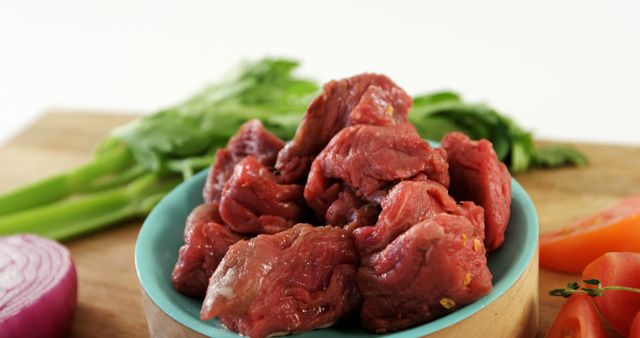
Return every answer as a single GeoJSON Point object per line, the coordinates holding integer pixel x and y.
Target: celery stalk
{"type": "Point", "coordinates": [90, 212]}
{"type": "Point", "coordinates": [60, 186]}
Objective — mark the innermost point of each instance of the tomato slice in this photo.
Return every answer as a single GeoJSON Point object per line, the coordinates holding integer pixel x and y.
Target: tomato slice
{"type": "Point", "coordinates": [578, 318]}
{"type": "Point", "coordinates": [635, 327]}
{"type": "Point", "coordinates": [573, 247]}
{"type": "Point", "coordinates": [617, 269]}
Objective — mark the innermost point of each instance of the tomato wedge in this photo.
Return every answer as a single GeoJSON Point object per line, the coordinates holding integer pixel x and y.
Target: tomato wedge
{"type": "Point", "coordinates": [573, 247]}
{"type": "Point", "coordinates": [617, 269]}
{"type": "Point", "coordinates": [635, 327]}
{"type": "Point", "coordinates": [578, 318]}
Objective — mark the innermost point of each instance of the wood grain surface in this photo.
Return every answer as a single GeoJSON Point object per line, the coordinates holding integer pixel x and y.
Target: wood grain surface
{"type": "Point", "coordinates": [110, 302]}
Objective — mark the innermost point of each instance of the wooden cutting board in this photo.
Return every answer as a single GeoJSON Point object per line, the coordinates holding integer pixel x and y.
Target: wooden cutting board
{"type": "Point", "coordinates": [110, 303]}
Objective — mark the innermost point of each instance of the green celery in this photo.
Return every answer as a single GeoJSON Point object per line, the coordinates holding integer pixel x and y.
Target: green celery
{"type": "Point", "coordinates": [84, 214]}
{"type": "Point", "coordinates": [57, 187]}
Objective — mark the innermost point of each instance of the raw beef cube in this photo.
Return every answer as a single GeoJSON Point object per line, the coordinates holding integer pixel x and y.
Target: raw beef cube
{"type": "Point", "coordinates": [206, 242]}
{"type": "Point", "coordinates": [370, 160]}
{"type": "Point", "coordinates": [362, 99]}
{"type": "Point", "coordinates": [435, 267]}
{"type": "Point", "coordinates": [203, 213]}
{"type": "Point", "coordinates": [251, 139]}
{"type": "Point", "coordinates": [297, 280]}
{"type": "Point", "coordinates": [219, 173]}
{"type": "Point", "coordinates": [408, 203]}
{"type": "Point", "coordinates": [477, 175]}
{"type": "Point", "coordinates": [253, 202]}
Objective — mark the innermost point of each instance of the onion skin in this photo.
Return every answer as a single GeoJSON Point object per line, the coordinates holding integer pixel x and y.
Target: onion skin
{"type": "Point", "coordinates": [38, 288]}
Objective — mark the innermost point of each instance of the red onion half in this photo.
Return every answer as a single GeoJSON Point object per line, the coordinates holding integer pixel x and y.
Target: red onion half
{"type": "Point", "coordinates": [38, 287]}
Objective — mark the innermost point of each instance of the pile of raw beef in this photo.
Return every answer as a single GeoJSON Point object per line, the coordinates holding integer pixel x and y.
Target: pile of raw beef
{"type": "Point", "coordinates": [356, 215]}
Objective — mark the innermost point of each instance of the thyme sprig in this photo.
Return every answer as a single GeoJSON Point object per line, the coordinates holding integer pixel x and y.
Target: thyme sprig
{"type": "Point", "coordinates": [592, 288]}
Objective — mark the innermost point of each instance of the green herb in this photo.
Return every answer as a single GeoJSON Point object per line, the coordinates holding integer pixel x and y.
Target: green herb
{"type": "Point", "coordinates": [558, 155]}
{"type": "Point", "coordinates": [142, 161]}
{"type": "Point", "coordinates": [594, 290]}
{"type": "Point", "coordinates": [439, 113]}
{"type": "Point", "coordinates": [265, 90]}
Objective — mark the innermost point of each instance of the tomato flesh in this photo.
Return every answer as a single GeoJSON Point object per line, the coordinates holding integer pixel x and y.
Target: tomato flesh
{"type": "Point", "coordinates": [617, 269]}
{"type": "Point", "coordinates": [635, 327]}
{"type": "Point", "coordinates": [572, 248]}
{"type": "Point", "coordinates": [578, 318]}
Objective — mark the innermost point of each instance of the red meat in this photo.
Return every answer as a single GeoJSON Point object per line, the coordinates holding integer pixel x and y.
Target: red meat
{"type": "Point", "coordinates": [477, 175]}
{"type": "Point", "coordinates": [206, 242]}
{"type": "Point", "coordinates": [401, 250]}
{"type": "Point", "coordinates": [371, 159]}
{"type": "Point", "coordinates": [294, 281]}
{"type": "Point", "coordinates": [435, 267]}
{"type": "Point", "coordinates": [253, 202]}
{"type": "Point", "coordinates": [251, 139]}
{"type": "Point", "coordinates": [203, 213]}
{"type": "Point", "coordinates": [408, 203]}
{"type": "Point", "coordinates": [361, 99]}
{"type": "Point", "coordinates": [350, 212]}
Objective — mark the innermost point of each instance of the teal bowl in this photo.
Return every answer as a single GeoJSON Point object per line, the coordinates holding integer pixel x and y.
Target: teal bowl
{"type": "Point", "coordinates": [162, 234]}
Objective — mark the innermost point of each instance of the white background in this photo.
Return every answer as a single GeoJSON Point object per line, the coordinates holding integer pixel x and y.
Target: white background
{"type": "Point", "coordinates": [565, 69]}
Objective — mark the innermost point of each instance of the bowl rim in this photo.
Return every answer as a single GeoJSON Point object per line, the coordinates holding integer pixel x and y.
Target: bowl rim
{"type": "Point", "coordinates": [155, 294]}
